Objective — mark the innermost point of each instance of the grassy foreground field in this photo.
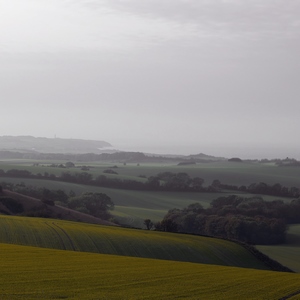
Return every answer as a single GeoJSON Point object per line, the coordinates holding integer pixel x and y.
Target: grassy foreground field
{"type": "Point", "coordinates": [65, 235]}
{"type": "Point", "coordinates": [36, 273]}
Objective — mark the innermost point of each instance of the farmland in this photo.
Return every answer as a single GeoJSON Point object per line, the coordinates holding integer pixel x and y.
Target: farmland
{"type": "Point", "coordinates": [287, 254]}
{"type": "Point", "coordinates": [84, 237]}
{"type": "Point", "coordinates": [132, 207]}
{"type": "Point", "coordinates": [101, 262]}
{"type": "Point", "coordinates": [233, 173]}
{"type": "Point", "coordinates": [36, 273]}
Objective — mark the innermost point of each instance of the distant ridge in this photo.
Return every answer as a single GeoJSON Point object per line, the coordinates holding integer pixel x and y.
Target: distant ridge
{"type": "Point", "coordinates": [53, 145]}
{"type": "Point", "coordinates": [29, 147]}
{"type": "Point", "coordinates": [205, 157]}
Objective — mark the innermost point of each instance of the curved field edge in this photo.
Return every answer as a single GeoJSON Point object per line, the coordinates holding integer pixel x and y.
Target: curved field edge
{"type": "Point", "coordinates": [66, 235]}
{"type": "Point", "coordinates": [36, 273]}
{"type": "Point", "coordinates": [287, 254]}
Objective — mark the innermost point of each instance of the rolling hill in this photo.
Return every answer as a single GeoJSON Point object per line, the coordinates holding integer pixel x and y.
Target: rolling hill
{"type": "Point", "coordinates": [83, 237]}
{"type": "Point", "coordinates": [36, 273]}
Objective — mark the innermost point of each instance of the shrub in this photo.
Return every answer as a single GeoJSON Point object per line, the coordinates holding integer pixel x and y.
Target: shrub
{"type": "Point", "coordinates": [110, 171]}
{"type": "Point", "coordinates": [12, 205]}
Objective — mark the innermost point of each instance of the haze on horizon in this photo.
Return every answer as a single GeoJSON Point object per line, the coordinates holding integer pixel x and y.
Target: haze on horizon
{"type": "Point", "coordinates": [219, 77]}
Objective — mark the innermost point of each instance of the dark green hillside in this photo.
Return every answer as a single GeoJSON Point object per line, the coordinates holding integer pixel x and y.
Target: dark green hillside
{"type": "Point", "coordinates": [64, 235]}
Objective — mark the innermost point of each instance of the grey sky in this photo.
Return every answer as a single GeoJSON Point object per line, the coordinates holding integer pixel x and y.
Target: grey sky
{"type": "Point", "coordinates": [180, 76]}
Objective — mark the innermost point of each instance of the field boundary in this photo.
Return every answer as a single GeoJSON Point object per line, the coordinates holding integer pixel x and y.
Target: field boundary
{"type": "Point", "coordinates": [290, 295]}
{"type": "Point", "coordinates": [271, 263]}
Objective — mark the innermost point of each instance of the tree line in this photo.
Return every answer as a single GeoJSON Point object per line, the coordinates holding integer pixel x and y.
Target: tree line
{"type": "Point", "coordinates": [164, 181]}
{"type": "Point", "coordinates": [117, 156]}
{"type": "Point", "coordinates": [260, 188]}
{"type": "Point", "coordinates": [251, 220]}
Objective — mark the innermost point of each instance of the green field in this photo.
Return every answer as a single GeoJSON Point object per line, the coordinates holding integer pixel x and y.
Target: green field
{"type": "Point", "coordinates": [227, 172]}
{"type": "Point", "coordinates": [289, 253]}
{"type": "Point", "coordinates": [35, 273]}
{"type": "Point", "coordinates": [132, 207]}
{"type": "Point", "coordinates": [64, 235]}
{"type": "Point", "coordinates": [72, 260]}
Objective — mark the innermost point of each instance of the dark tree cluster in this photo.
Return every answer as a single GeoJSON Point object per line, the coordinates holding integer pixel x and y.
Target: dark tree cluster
{"type": "Point", "coordinates": [261, 188]}
{"type": "Point", "coordinates": [235, 159]}
{"type": "Point", "coordinates": [58, 196]}
{"type": "Point", "coordinates": [179, 182]}
{"type": "Point", "coordinates": [288, 162]}
{"type": "Point", "coordinates": [250, 220]}
{"type": "Point", "coordinates": [95, 204]}
{"type": "Point", "coordinates": [110, 171]}
{"type": "Point", "coordinates": [12, 205]}
{"type": "Point", "coordinates": [256, 206]}
{"type": "Point", "coordinates": [186, 163]}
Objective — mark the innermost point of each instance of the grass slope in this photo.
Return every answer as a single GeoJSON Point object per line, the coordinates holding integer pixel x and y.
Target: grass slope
{"type": "Point", "coordinates": [35, 273]}
{"type": "Point", "coordinates": [289, 253]}
{"type": "Point", "coordinates": [84, 237]}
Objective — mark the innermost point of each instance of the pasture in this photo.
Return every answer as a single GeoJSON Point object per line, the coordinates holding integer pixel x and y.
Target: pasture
{"type": "Point", "coordinates": [132, 207]}
{"type": "Point", "coordinates": [232, 173]}
{"type": "Point", "coordinates": [83, 237]}
{"type": "Point", "coordinates": [36, 273]}
{"type": "Point", "coordinates": [88, 272]}
{"type": "Point", "coordinates": [287, 254]}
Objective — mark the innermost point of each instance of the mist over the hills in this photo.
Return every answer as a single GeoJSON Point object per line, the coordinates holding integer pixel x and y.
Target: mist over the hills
{"type": "Point", "coordinates": [218, 151]}
{"type": "Point", "coordinates": [32, 144]}
{"type": "Point", "coordinates": [217, 77]}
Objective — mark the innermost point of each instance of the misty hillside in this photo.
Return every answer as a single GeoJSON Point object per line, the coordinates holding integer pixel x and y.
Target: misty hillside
{"type": "Point", "coordinates": [29, 147]}
{"type": "Point", "coordinates": [51, 145]}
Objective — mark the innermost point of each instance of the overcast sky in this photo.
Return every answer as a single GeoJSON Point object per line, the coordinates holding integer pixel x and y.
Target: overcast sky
{"type": "Point", "coordinates": [170, 76]}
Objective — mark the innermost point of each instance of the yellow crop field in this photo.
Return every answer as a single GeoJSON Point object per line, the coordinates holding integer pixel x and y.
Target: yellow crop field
{"type": "Point", "coordinates": [37, 273]}
{"type": "Point", "coordinates": [65, 235]}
